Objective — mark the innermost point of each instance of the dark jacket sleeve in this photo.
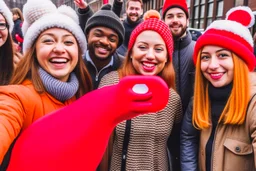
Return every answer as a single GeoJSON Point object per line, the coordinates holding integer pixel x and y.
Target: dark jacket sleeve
{"type": "Point", "coordinates": [189, 142]}
{"type": "Point", "coordinates": [84, 15]}
{"type": "Point", "coordinates": [17, 30]}
{"type": "Point", "coordinates": [117, 7]}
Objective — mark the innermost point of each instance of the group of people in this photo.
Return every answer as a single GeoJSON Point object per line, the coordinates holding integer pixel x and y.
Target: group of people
{"type": "Point", "coordinates": [73, 100]}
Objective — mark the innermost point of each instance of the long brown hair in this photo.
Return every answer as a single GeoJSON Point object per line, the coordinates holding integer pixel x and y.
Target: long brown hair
{"type": "Point", "coordinates": [27, 68]}
{"type": "Point", "coordinates": [6, 59]}
{"type": "Point", "coordinates": [18, 12]}
{"type": "Point", "coordinates": [167, 74]}
{"type": "Point", "coordinates": [235, 110]}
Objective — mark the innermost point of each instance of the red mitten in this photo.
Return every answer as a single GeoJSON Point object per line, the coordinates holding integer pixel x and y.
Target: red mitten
{"type": "Point", "coordinates": [18, 38]}
{"type": "Point", "coordinates": [75, 137]}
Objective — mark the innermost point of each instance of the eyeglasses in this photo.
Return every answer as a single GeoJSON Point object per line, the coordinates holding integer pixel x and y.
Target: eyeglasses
{"type": "Point", "coordinates": [3, 26]}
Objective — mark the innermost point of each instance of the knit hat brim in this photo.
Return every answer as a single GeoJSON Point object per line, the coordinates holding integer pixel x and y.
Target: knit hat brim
{"type": "Point", "coordinates": [226, 40]}
{"type": "Point", "coordinates": [176, 6]}
{"type": "Point", "coordinates": [157, 25]}
{"type": "Point", "coordinates": [54, 20]}
{"type": "Point", "coordinates": [7, 15]}
{"type": "Point", "coordinates": [106, 18]}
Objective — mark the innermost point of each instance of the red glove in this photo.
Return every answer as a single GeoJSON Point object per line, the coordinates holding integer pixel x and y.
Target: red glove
{"type": "Point", "coordinates": [18, 38]}
{"type": "Point", "coordinates": [75, 137]}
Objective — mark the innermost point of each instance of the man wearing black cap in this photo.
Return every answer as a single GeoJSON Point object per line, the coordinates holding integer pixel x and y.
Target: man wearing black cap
{"type": "Point", "coordinates": [105, 33]}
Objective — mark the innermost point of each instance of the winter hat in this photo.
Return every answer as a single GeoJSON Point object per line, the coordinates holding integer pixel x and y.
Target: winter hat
{"type": "Point", "coordinates": [232, 34]}
{"type": "Point", "coordinates": [40, 15]}
{"type": "Point", "coordinates": [7, 14]}
{"type": "Point", "coordinates": [153, 22]}
{"type": "Point", "coordinates": [168, 4]}
{"type": "Point", "coordinates": [107, 18]}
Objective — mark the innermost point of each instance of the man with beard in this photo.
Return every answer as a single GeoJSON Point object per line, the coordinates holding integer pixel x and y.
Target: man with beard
{"type": "Point", "coordinates": [105, 33]}
{"type": "Point", "coordinates": [134, 11]}
{"type": "Point", "coordinates": [175, 15]}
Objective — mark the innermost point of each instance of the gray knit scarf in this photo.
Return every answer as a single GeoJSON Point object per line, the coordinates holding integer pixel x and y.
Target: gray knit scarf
{"type": "Point", "coordinates": [62, 91]}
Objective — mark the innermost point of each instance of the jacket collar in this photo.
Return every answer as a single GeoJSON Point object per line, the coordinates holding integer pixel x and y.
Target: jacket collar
{"type": "Point", "coordinates": [183, 42]}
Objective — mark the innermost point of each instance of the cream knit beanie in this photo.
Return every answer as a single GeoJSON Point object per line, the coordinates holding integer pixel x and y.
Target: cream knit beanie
{"type": "Point", "coordinates": [7, 14]}
{"type": "Point", "coordinates": [40, 15]}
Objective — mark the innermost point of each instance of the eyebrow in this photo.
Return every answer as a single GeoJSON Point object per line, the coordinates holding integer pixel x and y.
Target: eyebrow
{"type": "Point", "coordinates": [217, 50]}
{"type": "Point", "coordinates": [52, 34]}
{"type": "Point", "coordinates": [158, 44]}
{"type": "Point", "coordinates": [99, 30]}
{"type": "Point", "coordinates": [180, 13]}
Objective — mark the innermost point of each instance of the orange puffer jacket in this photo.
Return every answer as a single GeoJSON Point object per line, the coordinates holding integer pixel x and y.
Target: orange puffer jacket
{"type": "Point", "coordinates": [20, 106]}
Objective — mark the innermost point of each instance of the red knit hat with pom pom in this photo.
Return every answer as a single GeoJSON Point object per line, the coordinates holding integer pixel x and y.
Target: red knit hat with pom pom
{"type": "Point", "coordinates": [232, 34]}
{"type": "Point", "coordinates": [153, 22]}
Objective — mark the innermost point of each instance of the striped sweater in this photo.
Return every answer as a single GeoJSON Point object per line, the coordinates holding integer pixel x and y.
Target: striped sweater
{"type": "Point", "coordinates": [147, 149]}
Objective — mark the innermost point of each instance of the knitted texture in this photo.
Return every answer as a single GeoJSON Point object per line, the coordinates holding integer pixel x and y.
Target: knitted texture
{"type": "Point", "coordinates": [106, 18]}
{"type": "Point", "coordinates": [232, 34]}
{"type": "Point", "coordinates": [7, 14]}
{"type": "Point", "coordinates": [41, 15]}
{"type": "Point", "coordinates": [157, 25]}
{"type": "Point", "coordinates": [62, 91]}
{"type": "Point", "coordinates": [33, 10]}
{"type": "Point", "coordinates": [175, 3]}
{"type": "Point", "coordinates": [148, 137]}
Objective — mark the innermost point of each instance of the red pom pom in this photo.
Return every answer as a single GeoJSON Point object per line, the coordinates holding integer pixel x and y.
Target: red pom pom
{"type": "Point", "coordinates": [241, 14]}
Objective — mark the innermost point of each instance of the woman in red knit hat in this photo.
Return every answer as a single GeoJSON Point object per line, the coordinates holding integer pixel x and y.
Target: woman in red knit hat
{"type": "Point", "coordinates": [219, 131]}
{"type": "Point", "coordinates": [141, 143]}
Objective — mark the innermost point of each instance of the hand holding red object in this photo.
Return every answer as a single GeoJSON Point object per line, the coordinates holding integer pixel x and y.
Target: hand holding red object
{"type": "Point", "coordinates": [75, 137]}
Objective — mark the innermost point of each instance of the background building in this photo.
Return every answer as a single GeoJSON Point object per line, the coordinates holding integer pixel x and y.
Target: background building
{"type": "Point", "coordinates": [202, 12]}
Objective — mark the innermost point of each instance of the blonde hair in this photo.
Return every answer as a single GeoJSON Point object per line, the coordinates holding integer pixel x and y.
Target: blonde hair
{"type": "Point", "coordinates": [235, 109]}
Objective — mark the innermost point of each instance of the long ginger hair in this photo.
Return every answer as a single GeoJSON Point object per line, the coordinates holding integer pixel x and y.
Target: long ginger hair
{"type": "Point", "coordinates": [235, 109]}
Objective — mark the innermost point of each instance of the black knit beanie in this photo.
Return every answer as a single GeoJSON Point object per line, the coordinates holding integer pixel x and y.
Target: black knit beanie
{"type": "Point", "coordinates": [107, 18]}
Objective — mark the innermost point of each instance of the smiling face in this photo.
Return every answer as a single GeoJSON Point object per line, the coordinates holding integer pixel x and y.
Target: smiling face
{"type": "Point", "coordinates": [149, 53]}
{"type": "Point", "coordinates": [102, 43]}
{"type": "Point", "coordinates": [57, 52]}
{"type": "Point", "coordinates": [177, 21]}
{"type": "Point", "coordinates": [134, 11]}
{"type": "Point", "coordinates": [217, 65]}
{"type": "Point", "coordinates": [4, 32]}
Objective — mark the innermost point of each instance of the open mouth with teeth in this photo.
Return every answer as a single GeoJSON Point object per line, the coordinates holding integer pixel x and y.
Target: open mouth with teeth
{"type": "Point", "coordinates": [59, 60]}
{"type": "Point", "coordinates": [148, 67]}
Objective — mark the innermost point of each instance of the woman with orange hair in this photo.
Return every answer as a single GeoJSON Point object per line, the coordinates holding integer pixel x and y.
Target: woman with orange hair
{"type": "Point", "coordinates": [219, 129]}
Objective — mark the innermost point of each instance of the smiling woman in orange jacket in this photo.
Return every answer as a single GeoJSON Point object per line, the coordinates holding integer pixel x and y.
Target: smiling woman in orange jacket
{"type": "Point", "coordinates": [50, 76]}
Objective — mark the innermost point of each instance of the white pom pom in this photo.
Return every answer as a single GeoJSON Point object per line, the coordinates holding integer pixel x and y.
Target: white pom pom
{"type": "Point", "coordinates": [34, 9]}
{"type": "Point", "coordinates": [66, 10]}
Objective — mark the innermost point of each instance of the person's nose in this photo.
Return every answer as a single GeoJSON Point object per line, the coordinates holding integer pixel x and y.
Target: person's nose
{"type": "Point", "coordinates": [150, 54]}
{"type": "Point", "coordinates": [59, 48]}
{"type": "Point", "coordinates": [104, 40]}
{"type": "Point", "coordinates": [214, 63]}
